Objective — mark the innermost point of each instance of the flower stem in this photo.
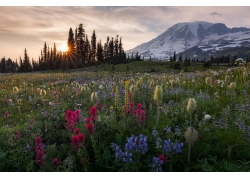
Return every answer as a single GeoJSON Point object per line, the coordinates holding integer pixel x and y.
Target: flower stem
{"type": "Point", "coordinates": [189, 152]}
{"type": "Point", "coordinates": [158, 113]}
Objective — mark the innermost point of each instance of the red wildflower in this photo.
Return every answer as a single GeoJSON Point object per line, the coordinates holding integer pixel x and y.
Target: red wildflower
{"type": "Point", "coordinates": [90, 128]}
{"type": "Point", "coordinates": [76, 131]}
{"type": "Point", "coordinates": [135, 112]}
{"type": "Point", "coordinates": [75, 140]}
{"type": "Point", "coordinates": [81, 137]}
{"type": "Point", "coordinates": [77, 112]}
{"type": "Point", "coordinates": [213, 80]}
{"type": "Point", "coordinates": [56, 163]}
{"type": "Point", "coordinates": [39, 148]}
{"type": "Point", "coordinates": [17, 135]}
{"type": "Point", "coordinates": [38, 140]}
{"type": "Point", "coordinates": [130, 96]}
{"type": "Point", "coordinates": [88, 120]}
{"type": "Point", "coordinates": [93, 113]}
{"type": "Point", "coordinates": [139, 106]}
{"type": "Point", "coordinates": [131, 108]}
{"type": "Point", "coordinates": [73, 117]}
{"type": "Point", "coordinates": [70, 119]}
{"type": "Point", "coordinates": [68, 115]}
{"type": "Point", "coordinates": [93, 110]}
{"type": "Point", "coordinates": [142, 117]}
{"type": "Point", "coordinates": [125, 109]}
{"type": "Point", "coordinates": [162, 157]}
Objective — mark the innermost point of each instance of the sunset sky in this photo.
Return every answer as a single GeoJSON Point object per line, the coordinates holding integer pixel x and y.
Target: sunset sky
{"type": "Point", "coordinates": [30, 25]}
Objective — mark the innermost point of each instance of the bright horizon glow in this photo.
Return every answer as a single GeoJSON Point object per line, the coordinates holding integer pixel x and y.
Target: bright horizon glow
{"type": "Point", "coordinates": [63, 47]}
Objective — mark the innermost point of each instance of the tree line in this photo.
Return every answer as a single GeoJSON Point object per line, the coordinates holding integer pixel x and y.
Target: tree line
{"type": "Point", "coordinates": [81, 52]}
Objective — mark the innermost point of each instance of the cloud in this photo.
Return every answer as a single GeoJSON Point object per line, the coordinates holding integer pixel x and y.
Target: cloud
{"type": "Point", "coordinates": [31, 26]}
{"type": "Point", "coordinates": [215, 14]}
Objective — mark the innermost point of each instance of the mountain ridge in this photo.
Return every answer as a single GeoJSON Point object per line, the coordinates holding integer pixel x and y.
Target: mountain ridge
{"type": "Point", "coordinates": [185, 35]}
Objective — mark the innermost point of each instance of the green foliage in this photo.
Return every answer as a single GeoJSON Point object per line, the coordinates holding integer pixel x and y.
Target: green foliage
{"type": "Point", "coordinates": [222, 121]}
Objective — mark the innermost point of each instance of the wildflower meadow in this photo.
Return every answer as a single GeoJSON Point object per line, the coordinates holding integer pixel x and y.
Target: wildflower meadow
{"type": "Point", "coordinates": [126, 122]}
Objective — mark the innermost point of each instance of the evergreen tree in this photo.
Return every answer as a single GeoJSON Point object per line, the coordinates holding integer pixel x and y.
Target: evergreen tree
{"type": "Point", "coordinates": [3, 65]}
{"type": "Point", "coordinates": [71, 50]}
{"type": "Point", "coordinates": [48, 58]}
{"type": "Point", "coordinates": [78, 63]}
{"type": "Point", "coordinates": [186, 59]}
{"type": "Point", "coordinates": [26, 62]}
{"type": "Point", "coordinates": [180, 58]}
{"type": "Point", "coordinates": [174, 57]}
{"type": "Point", "coordinates": [81, 45]}
{"type": "Point", "coordinates": [71, 41]}
{"type": "Point", "coordinates": [137, 57]}
{"type": "Point", "coordinates": [54, 59]}
{"type": "Point", "coordinates": [122, 54]}
{"type": "Point", "coordinates": [116, 50]}
{"type": "Point", "coordinates": [45, 55]}
{"type": "Point", "coordinates": [87, 51]}
{"type": "Point", "coordinates": [93, 47]}
{"type": "Point", "coordinates": [171, 59]}
{"type": "Point", "coordinates": [51, 59]}
{"type": "Point", "coordinates": [21, 69]}
{"type": "Point", "coordinates": [111, 50]}
{"type": "Point", "coordinates": [17, 67]}
{"type": "Point", "coordinates": [99, 52]}
{"type": "Point", "coordinates": [106, 50]}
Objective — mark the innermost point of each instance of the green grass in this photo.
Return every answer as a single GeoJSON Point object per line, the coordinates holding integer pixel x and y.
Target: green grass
{"type": "Point", "coordinates": [147, 67]}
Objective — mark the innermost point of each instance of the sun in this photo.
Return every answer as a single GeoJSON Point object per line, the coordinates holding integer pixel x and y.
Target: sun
{"type": "Point", "coordinates": [64, 47]}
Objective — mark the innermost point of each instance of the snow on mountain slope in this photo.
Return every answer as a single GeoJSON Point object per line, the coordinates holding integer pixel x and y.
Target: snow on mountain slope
{"type": "Point", "coordinates": [183, 36]}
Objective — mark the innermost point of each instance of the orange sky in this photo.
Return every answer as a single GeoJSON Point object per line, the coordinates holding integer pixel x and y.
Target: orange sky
{"type": "Point", "coordinates": [30, 26]}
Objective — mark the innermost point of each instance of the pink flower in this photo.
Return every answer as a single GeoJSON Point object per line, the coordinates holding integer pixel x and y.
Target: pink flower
{"type": "Point", "coordinates": [68, 115]}
{"type": "Point", "coordinates": [17, 135]}
{"type": "Point", "coordinates": [162, 157]}
{"type": "Point", "coordinates": [38, 140]}
{"type": "Point", "coordinates": [76, 131]}
{"type": "Point", "coordinates": [125, 109]}
{"type": "Point", "coordinates": [131, 108]}
{"type": "Point", "coordinates": [70, 118]}
{"type": "Point", "coordinates": [75, 140]}
{"type": "Point", "coordinates": [90, 128]}
{"type": "Point", "coordinates": [93, 110]}
{"type": "Point", "coordinates": [93, 113]}
{"type": "Point", "coordinates": [142, 117]}
{"type": "Point", "coordinates": [212, 82]}
{"type": "Point", "coordinates": [77, 112]}
{"type": "Point", "coordinates": [56, 163]}
{"type": "Point", "coordinates": [88, 120]}
{"type": "Point", "coordinates": [130, 96]}
{"type": "Point", "coordinates": [39, 148]}
{"type": "Point", "coordinates": [81, 137]}
{"type": "Point", "coordinates": [139, 106]}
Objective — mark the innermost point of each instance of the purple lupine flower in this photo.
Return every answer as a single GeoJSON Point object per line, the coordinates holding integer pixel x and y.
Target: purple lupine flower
{"type": "Point", "coordinates": [177, 130]}
{"type": "Point", "coordinates": [158, 143]}
{"type": "Point", "coordinates": [127, 157]}
{"type": "Point", "coordinates": [177, 147]}
{"type": "Point", "coordinates": [167, 146]}
{"type": "Point", "coordinates": [157, 163]}
{"type": "Point", "coordinates": [167, 130]}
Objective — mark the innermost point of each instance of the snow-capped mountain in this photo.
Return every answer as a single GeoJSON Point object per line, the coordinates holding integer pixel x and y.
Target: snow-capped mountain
{"type": "Point", "coordinates": [183, 36]}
